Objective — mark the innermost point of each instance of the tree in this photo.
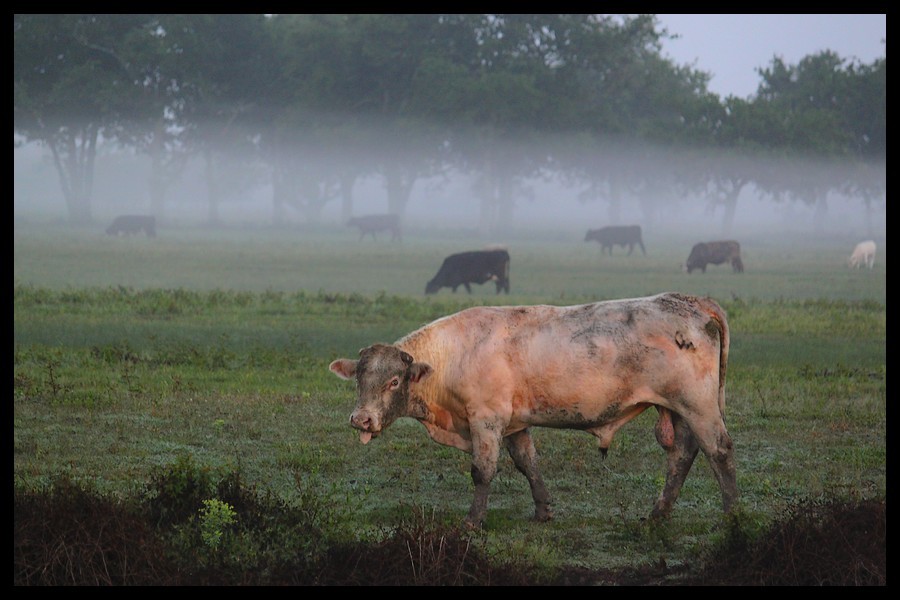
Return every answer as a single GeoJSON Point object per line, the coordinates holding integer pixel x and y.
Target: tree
{"type": "Point", "coordinates": [71, 90]}
{"type": "Point", "coordinates": [825, 112]}
{"type": "Point", "coordinates": [204, 79]}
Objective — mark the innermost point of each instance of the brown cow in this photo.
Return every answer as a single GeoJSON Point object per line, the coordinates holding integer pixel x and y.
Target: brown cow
{"type": "Point", "coordinates": [371, 224]}
{"type": "Point", "coordinates": [482, 377]}
{"type": "Point", "coordinates": [129, 224]}
{"type": "Point", "coordinates": [616, 235]}
{"type": "Point", "coordinates": [716, 253]}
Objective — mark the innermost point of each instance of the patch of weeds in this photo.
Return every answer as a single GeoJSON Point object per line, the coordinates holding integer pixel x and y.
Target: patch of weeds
{"type": "Point", "coordinates": [176, 492]}
{"type": "Point", "coordinates": [115, 354]}
{"type": "Point", "coordinates": [216, 519]}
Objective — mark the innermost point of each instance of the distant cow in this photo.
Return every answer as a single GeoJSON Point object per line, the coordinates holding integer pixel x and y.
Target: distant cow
{"type": "Point", "coordinates": [477, 266]}
{"type": "Point", "coordinates": [129, 224]}
{"type": "Point", "coordinates": [863, 254]}
{"type": "Point", "coordinates": [624, 235]}
{"type": "Point", "coordinates": [371, 224]}
{"type": "Point", "coordinates": [480, 379]}
{"type": "Point", "coordinates": [716, 253]}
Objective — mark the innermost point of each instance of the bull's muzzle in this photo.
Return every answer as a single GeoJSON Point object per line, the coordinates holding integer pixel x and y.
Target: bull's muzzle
{"type": "Point", "coordinates": [363, 421]}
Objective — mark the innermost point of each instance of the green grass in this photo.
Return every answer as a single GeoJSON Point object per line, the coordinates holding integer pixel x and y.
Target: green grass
{"type": "Point", "coordinates": [544, 268]}
{"type": "Point", "coordinates": [123, 363]}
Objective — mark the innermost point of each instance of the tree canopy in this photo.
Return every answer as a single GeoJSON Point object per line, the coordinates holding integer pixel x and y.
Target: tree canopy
{"type": "Point", "coordinates": [408, 96]}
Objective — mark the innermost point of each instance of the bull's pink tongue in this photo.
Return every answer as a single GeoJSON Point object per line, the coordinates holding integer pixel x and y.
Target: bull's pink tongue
{"type": "Point", "coordinates": [365, 436]}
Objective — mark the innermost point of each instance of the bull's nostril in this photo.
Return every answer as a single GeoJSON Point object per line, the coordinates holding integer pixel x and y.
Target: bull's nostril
{"type": "Point", "coordinates": [360, 421]}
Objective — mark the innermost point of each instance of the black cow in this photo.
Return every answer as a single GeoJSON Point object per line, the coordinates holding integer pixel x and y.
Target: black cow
{"type": "Point", "coordinates": [621, 235]}
{"type": "Point", "coordinates": [370, 224]}
{"type": "Point", "coordinates": [129, 224]}
{"type": "Point", "coordinates": [477, 266]}
{"type": "Point", "coordinates": [716, 253]}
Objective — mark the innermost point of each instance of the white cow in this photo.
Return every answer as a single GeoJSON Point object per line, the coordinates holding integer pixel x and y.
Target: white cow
{"type": "Point", "coordinates": [864, 253]}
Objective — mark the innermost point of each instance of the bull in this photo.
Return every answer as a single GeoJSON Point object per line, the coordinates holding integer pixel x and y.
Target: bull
{"type": "Point", "coordinates": [716, 253]}
{"type": "Point", "coordinates": [863, 254]}
{"type": "Point", "coordinates": [625, 235]}
{"type": "Point", "coordinates": [372, 224]}
{"type": "Point", "coordinates": [479, 379]}
{"type": "Point", "coordinates": [131, 224]}
{"type": "Point", "coordinates": [477, 266]}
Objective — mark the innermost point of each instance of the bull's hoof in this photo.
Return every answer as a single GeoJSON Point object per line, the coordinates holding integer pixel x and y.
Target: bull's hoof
{"type": "Point", "coordinates": [471, 525]}
{"type": "Point", "coordinates": [542, 516]}
{"type": "Point", "coordinates": [658, 514]}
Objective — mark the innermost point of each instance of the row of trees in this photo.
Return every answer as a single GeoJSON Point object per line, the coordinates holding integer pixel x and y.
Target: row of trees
{"type": "Point", "coordinates": [324, 100]}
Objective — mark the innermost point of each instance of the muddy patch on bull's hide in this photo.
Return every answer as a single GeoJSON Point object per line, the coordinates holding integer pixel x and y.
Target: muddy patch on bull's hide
{"type": "Point", "coordinates": [632, 356]}
{"type": "Point", "coordinates": [679, 304]}
{"type": "Point", "coordinates": [611, 412]}
{"type": "Point", "coordinates": [608, 326]}
{"type": "Point", "coordinates": [683, 342]}
{"type": "Point", "coordinates": [567, 417]}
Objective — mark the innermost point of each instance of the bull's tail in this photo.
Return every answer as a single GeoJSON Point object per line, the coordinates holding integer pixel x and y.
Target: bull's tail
{"type": "Point", "coordinates": [720, 320]}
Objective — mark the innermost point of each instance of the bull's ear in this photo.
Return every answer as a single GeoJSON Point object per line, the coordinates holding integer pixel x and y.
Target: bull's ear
{"type": "Point", "coordinates": [419, 371]}
{"type": "Point", "coordinates": [344, 368]}
{"type": "Point", "coordinates": [406, 357]}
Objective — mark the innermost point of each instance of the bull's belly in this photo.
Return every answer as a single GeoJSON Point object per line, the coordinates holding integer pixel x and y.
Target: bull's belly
{"type": "Point", "coordinates": [562, 414]}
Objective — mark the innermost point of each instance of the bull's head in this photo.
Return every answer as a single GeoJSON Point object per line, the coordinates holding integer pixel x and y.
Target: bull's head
{"type": "Point", "coordinates": [383, 374]}
{"type": "Point", "coordinates": [432, 287]}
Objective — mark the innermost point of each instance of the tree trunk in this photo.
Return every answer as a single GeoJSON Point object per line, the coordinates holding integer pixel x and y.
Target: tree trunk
{"type": "Point", "coordinates": [485, 190]}
{"type": "Point", "coordinates": [869, 229]}
{"type": "Point", "coordinates": [73, 157]}
{"type": "Point", "coordinates": [347, 181]}
{"type": "Point", "coordinates": [821, 212]}
{"type": "Point", "coordinates": [279, 188]}
{"type": "Point", "coordinates": [212, 189]}
{"type": "Point", "coordinates": [157, 172]}
{"type": "Point", "coordinates": [729, 196]}
{"type": "Point", "coordinates": [399, 189]}
{"type": "Point", "coordinates": [505, 206]}
{"type": "Point", "coordinates": [614, 210]}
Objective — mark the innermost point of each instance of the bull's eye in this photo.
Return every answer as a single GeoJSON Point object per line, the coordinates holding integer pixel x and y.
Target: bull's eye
{"type": "Point", "coordinates": [394, 383]}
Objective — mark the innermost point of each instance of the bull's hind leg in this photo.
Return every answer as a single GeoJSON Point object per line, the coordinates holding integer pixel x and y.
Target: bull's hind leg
{"type": "Point", "coordinates": [716, 444]}
{"type": "Point", "coordinates": [681, 447]}
{"type": "Point", "coordinates": [521, 449]}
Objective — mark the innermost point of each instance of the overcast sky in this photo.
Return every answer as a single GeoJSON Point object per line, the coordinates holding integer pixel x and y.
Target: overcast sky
{"type": "Point", "coordinates": [731, 47]}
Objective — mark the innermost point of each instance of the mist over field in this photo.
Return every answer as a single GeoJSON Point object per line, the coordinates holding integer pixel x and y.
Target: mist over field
{"type": "Point", "coordinates": [550, 203]}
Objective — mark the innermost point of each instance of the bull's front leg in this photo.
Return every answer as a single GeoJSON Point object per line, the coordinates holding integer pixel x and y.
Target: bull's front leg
{"type": "Point", "coordinates": [485, 452]}
{"type": "Point", "coordinates": [521, 449]}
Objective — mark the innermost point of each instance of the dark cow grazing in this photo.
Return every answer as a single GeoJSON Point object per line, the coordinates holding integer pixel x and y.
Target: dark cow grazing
{"type": "Point", "coordinates": [371, 224]}
{"type": "Point", "coordinates": [716, 253]}
{"type": "Point", "coordinates": [625, 235]}
{"type": "Point", "coordinates": [129, 224]}
{"type": "Point", "coordinates": [477, 266]}
{"type": "Point", "coordinates": [480, 378]}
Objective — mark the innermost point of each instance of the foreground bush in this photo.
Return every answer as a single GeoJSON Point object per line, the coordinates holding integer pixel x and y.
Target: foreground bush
{"type": "Point", "coordinates": [822, 542]}
{"type": "Point", "coordinates": [192, 528]}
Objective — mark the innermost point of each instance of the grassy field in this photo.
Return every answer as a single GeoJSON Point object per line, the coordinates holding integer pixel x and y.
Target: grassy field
{"type": "Point", "coordinates": [131, 353]}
